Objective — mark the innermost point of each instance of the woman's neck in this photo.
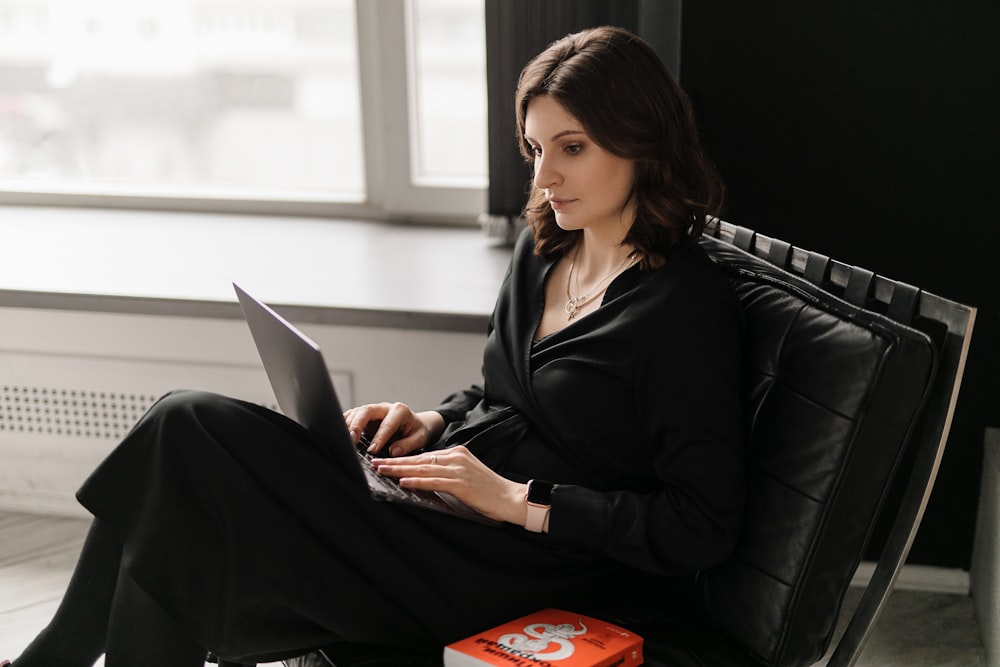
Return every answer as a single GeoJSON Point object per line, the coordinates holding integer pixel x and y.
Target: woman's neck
{"type": "Point", "coordinates": [594, 258]}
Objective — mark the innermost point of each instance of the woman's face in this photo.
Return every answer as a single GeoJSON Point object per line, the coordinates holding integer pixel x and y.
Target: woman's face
{"type": "Point", "coordinates": [586, 186]}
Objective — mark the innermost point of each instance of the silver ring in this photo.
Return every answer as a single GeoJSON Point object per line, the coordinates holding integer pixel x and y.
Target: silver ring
{"type": "Point", "coordinates": [434, 459]}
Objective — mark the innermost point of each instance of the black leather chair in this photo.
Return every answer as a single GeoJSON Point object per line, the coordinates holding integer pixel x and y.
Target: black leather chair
{"type": "Point", "coordinates": [849, 378]}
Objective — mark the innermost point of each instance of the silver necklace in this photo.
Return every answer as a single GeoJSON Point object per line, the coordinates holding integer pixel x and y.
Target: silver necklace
{"type": "Point", "coordinates": [574, 303]}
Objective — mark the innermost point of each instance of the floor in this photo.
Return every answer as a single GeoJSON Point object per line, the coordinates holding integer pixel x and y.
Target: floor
{"type": "Point", "coordinates": [920, 629]}
{"type": "Point", "coordinates": [37, 554]}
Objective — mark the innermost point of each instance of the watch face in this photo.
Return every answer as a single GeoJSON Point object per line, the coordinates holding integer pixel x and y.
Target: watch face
{"type": "Point", "coordinates": [540, 492]}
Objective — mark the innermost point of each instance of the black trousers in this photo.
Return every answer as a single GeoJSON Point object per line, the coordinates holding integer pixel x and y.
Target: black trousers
{"type": "Point", "coordinates": [244, 530]}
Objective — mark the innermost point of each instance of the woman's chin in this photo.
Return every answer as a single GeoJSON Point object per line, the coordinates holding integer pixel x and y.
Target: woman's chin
{"type": "Point", "coordinates": [566, 223]}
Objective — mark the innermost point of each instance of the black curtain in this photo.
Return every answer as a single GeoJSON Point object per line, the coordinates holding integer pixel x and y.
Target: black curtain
{"type": "Point", "coordinates": [868, 131]}
{"type": "Point", "coordinates": [516, 31]}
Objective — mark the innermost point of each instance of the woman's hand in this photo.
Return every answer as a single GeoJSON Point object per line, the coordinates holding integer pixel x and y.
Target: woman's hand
{"type": "Point", "coordinates": [394, 423]}
{"type": "Point", "coordinates": [457, 471]}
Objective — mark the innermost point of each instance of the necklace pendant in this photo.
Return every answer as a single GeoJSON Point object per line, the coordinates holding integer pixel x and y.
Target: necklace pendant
{"type": "Point", "coordinates": [573, 303]}
{"type": "Point", "coordinates": [573, 307]}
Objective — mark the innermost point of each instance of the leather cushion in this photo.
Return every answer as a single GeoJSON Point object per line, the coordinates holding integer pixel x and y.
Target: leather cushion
{"type": "Point", "coordinates": [831, 393]}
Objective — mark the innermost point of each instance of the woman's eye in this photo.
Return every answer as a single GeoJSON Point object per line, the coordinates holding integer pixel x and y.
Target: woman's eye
{"type": "Point", "coordinates": [536, 151]}
{"type": "Point", "coordinates": [573, 149]}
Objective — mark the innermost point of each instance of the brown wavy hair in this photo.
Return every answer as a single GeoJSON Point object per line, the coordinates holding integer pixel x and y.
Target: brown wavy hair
{"type": "Point", "coordinates": [615, 85]}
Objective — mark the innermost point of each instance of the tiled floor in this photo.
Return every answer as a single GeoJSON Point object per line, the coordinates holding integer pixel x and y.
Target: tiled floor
{"type": "Point", "coordinates": [37, 554]}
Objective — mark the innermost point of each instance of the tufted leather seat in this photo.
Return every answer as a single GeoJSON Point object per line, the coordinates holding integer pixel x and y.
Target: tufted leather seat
{"type": "Point", "coordinates": [843, 370]}
{"type": "Point", "coordinates": [832, 392]}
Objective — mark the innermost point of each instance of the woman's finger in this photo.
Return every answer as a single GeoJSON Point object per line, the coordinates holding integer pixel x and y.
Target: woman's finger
{"type": "Point", "coordinates": [387, 428]}
{"type": "Point", "coordinates": [397, 422]}
{"type": "Point", "coordinates": [360, 417]}
{"type": "Point", "coordinates": [407, 444]}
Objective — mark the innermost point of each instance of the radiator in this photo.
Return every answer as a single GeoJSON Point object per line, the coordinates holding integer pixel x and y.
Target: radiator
{"type": "Point", "coordinates": [61, 414]}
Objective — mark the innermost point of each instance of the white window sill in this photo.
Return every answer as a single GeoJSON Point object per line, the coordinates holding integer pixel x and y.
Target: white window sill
{"type": "Point", "coordinates": [184, 264]}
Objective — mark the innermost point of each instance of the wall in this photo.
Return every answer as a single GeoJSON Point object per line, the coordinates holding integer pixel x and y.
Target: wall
{"type": "Point", "coordinates": [867, 131]}
{"type": "Point", "coordinates": [71, 383]}
{"type": "Point", "coordinates": [985, 574]}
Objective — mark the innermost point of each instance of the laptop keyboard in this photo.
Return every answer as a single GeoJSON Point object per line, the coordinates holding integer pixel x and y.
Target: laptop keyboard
{"type": "Point", "coordinates": [390, 485]}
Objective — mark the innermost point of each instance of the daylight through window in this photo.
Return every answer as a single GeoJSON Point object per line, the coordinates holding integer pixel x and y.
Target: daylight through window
{"type": "Point", "coordinates": [225, 99]}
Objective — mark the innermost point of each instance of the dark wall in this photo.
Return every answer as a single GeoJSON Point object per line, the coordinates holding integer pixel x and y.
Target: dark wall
{"type": "Point", "coordinates": [868, 130]}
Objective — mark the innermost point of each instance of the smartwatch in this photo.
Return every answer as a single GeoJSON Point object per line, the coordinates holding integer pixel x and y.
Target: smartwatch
{"type": "Point", "coordinates": [539, 501]}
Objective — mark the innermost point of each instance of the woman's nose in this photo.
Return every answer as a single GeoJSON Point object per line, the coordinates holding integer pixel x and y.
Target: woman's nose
{"type": "Point", "coordinates": [546, 175]}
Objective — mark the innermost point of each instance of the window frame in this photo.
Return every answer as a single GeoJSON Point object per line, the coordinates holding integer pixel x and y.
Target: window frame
{"type": "Point", "coordinates": [391, 193]}
{"type": "Point", "coordinates": [386, 87]}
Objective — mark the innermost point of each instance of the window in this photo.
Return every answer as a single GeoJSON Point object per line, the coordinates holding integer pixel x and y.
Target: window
{"type": "Point", "coordinates": [336, 107]}
{"type": "Point", "coordinates": [448, 92]}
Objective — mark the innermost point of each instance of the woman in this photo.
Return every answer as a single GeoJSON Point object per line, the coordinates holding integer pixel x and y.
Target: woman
{"type": "Point", "coordinates": [611, 377]}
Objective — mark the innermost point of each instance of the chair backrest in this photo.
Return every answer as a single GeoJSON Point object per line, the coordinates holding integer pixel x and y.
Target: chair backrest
{"type": "Point", "coordinates": [843, 370]}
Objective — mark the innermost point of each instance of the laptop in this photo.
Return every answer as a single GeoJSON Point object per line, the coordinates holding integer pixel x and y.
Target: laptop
{"type": "Point", "coordinates": [302, 386]}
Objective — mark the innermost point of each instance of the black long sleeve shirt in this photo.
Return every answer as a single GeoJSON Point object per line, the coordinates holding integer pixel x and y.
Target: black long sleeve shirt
{"type": "Point", "coordinates": [633, 410]}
